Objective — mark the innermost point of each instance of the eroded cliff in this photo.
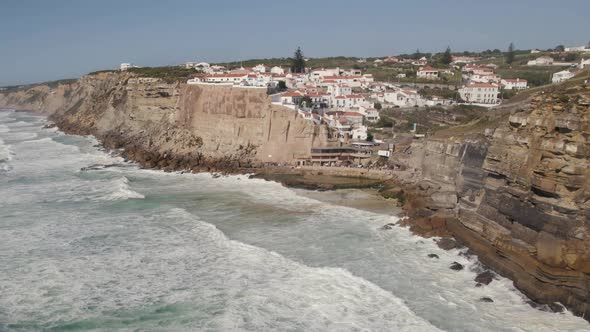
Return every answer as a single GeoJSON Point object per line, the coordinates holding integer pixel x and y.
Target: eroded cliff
{"type": "Point", "coordinates": [175, 126]}
{"type": "Point", "coordinates": [518, 195]}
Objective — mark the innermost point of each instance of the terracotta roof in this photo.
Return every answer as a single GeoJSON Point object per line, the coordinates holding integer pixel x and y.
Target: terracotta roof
{"type": "Point", "coordinates": [481, 85]}
{"type": "Point", "coordinates": [226, 75]}
{"type": "Point", "coordinates": [292, 94]}
{"type": "Point", "coordinates": [351, 114]}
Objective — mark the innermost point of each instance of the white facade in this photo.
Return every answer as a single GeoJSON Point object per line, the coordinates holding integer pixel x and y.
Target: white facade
{"type": "Point", "coordinates": [347, 101]}
{"type": "Point", "coordinates": [126, 66]}
{"type": "Point", "coordinates": [277, 70]}
{"type": "Point", "coordinates": [561, 76]}
{"type": "Point", "coordinates": [480, 93]}
{"type": "Point", "coordinates": [541, 61]}
{"type": "Point", "coordinates": [584, 63]}
{"type": "Point", "coordinates": [339, 89]}
{"type": "Point", "coordinates": [514, 84]}
{"type": "Point", "coordinates": [226, 78]}
{"type": "Point", "coordinates": [359, 133]}
{"type": "Point", "coordinates": [577, 49]}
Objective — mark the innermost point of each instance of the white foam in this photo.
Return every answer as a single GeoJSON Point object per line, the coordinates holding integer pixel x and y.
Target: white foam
{"type": "Point", "coordinates": [122, 190]}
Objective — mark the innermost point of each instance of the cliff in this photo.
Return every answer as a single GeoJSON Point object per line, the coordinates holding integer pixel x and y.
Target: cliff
{"type": "Point", "coordinates": [175, 126]}
{"type": "Point", "coordinates": [516, 191]}
{"type": "Point", "coordinates": [518, 195]}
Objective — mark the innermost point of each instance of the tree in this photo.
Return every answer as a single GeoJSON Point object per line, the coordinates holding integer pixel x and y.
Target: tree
{"type": "Point", "coordinates": [298, 62]}
{"type": "Point", "coordinates": [369, 137]}
{"type": "Point", "coordinates": [447, 57]}
{"type": "Point", "coordinates": [282, 85]}
{"type": "Point", "coordinates": [559, 48]}
{"type": "Point", "coordinates": [417, 55]}
{"type": "Point", "coordinates": [378, 106]}
{"type": "Point", "coordinates": [510, 54]}
{"type": "Point", "coordinates": [306, 102]}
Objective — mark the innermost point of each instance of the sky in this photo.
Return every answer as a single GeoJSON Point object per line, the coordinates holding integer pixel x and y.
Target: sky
{"type": "Point", "coordinates": [47, 40]}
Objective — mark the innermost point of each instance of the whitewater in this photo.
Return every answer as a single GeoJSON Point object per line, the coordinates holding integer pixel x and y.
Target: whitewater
{"type": "Point", "coordinates": [89, 242]}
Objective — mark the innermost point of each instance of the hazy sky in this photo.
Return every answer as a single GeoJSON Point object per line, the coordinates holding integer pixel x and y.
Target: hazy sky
{"type": "Point", "coordinates": [45, 40]}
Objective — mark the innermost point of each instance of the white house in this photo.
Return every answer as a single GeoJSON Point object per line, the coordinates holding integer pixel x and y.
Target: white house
{"type": "Point", "coordinates": [428, 73]}
{"type": "Point", "coordinates": [339, 89]}
{"type": "Point", "coordinates": [348, 101]}
{"type": "Point", "coordinates": [535, 51]}
{"type": "Point", "coordinates": [126, 66]}
{"type": "Point", "coordinates": [562, 76]}
{"type": "Point", "coordinates": [541, 61]}
{"type": "Point", "coordinates": [226, 78]}
{"type": "Point", "coordinates": [291, 97]}
{"type": "Point", "coordinates": [484, 78]}
{"type": "Point", "coordinates": [371, 114]}
{"type": "Point", "coordinates": [278, 70]}
{"type": "Point", "coordinates": [359, 133]}
{"type": "Point", "coordinates": [480, 93]}
{"type": "Point", "coordinates": [404, 98]}
{"type": "Point", "coordinates": [261, 68]}
{"type": "Point", "coordinates": [355, 118]}
{"type": "Point", "coordinates": [577, 49]}
{"type": "Point", "coordinates": [584, 63]}
{"type": "Point", "coordinates": [514, 83]}
{"type": "Point", "coordinates": [420, 62]}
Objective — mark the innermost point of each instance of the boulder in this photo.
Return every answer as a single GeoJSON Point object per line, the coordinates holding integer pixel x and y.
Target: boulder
{"type": "Point", "coordinates": [484, 278]}
{"type": "Point", "coordinates": [486, 299]}
{"type": "Point", "coordinates": [456, 266]}
{"type": "Point", "coordinates": [433, 256]}
{"type": "Point", "coordinates": [447, 243]}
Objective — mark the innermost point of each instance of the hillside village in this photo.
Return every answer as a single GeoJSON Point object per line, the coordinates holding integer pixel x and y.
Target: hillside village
{"type": "Point", "coordinates": [356, 103]}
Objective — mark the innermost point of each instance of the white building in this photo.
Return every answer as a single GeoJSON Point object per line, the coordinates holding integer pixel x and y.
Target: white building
{"type": "Point", "coordinates": [514, 83]}
{"type": "Point", "coordinates": [359, 133]}
{"type": "Point", "coordinates": [562, 76]}
{"type": "Point", "coordinates": [126, 66]}
{"type": "Point", "coordinates": [260, 68]}
{"type": "Point", "coordinates": [339, 89]}
{"type": "Point", "coordinates": [278, 70]}
{"type": "Point", "coordinates": [584, 63]}
{"type": "Point", "coordinates": [480, 93]}
{"type": "Point", "coordinates": [541, 61]}
{"type": "Point", "coordinates": [484, 78]}
{"type": "Point", "coordinates": [226, 78]}
{"type": "Point", "coordinates": [428, 73]}
{"type": "Point", "coordinates": [371, 114]}
{"type": "Point", "coordinates": [404, 98]}
{"type": "Point", "coordinates": [347, 101]}
{"type": "Point", "coordinates": [577, 49]}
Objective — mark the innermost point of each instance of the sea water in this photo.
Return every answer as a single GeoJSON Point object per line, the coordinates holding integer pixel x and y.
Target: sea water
{"type": "Point", "coordinates": [91, 243]}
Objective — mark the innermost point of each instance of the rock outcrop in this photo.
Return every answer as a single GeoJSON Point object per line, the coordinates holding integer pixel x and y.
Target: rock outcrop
{"type": "Point", "coordinates": [175, 126]}
{"type": "Point", "coordinates": [518, 195]}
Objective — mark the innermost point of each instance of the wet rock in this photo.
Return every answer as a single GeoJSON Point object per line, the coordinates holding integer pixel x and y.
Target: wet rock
{"type": "Point", "coordinates": [486, 299]}
{"type": "Point", "coordinates": [456, 266]}
{"type": "Point", "coordinates": [485, 277]}
{"type": "Point", "coordinates": [478, 285]}
{"type": "Point", "coordinates": [556, 307]}
{"type": "Point", "coordinates": [447, 243]}
{"type": "Point", "coordinates": [433, 256]}
{"type": "Point", "coordinates": [387, 226]}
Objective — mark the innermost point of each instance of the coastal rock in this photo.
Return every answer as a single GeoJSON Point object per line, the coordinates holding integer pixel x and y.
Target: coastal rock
{"type": "Point", "coordinates": [388, 226]}
{"type": "Point", "coordinates": [486, 299]}
{"type": "Point", "coordinates": [484, 278]}
{"type": "Point", "coordinates": [456, 266]}
{"type": "Point", "coordinates": [433, 256]}
{"type": "Point", "coordinates": [446, 243]}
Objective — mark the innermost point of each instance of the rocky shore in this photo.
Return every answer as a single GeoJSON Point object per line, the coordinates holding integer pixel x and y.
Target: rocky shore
{"type": "Point", "coordinates": [515, 191]}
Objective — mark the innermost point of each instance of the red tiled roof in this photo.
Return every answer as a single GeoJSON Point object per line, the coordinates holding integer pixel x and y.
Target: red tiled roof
{"type": "Point", "coordinates": [352, 114]}
{"type": "Point", "coordinates": [481, 85]}
{"type": "Point", "coordinates": [292, 94]}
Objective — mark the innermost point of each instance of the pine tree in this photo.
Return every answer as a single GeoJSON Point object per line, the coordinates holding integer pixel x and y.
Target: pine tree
{"type": "Point", "coordinates": [510, 54]}
{"type": "Point", "coordinates": [447, 57]}
{"type": "Point", "coordinates": [298, 62]}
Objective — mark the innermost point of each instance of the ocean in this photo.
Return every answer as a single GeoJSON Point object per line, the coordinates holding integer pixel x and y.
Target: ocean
{"type": "Point", "coordinates": [89, 242]}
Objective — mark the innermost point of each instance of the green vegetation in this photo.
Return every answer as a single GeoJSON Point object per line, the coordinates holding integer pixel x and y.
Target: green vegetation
{"type": "Point", "coordinates": [369, 137]}
{"type": "Point", "coordinates": [510, 54]}
{"type": "Point", "coordinates": [102, 71]}
{"type": "Point", "coordinates": [447, 57]}
{"type": "Point", "coordinates": [282, 86]}
{"type": "Point", "coordinates": [298, 62]}
{"type": "Point", "coordinates": [169, 74]}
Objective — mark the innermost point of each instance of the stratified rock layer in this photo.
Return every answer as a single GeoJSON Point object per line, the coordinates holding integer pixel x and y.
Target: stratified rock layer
{"type": "Point", "coordinates": [519, 198]}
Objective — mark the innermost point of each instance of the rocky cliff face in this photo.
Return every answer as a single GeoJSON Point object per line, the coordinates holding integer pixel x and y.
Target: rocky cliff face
{"type": "Point", "coordinates": [519, 197]}
{"type": "Point", "coordinates": [175, 126]}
